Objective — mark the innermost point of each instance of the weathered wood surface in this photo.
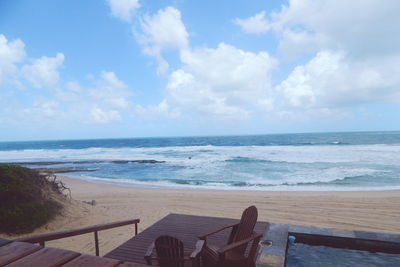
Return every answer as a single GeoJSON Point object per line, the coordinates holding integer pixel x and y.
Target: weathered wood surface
{"type": "Point", "coordinates": [4, 241]}
{"type": "Point", "coordinates": [130, 254]}
{"type": "Point", "coordinates": [91, 261]}
{"type": "Point", "coordinates": [14, 253]}
{"type": "Point", "coordinates": [184, 227]}
{"type": "Point", "coordinates": [132, 264]}
{"type": "Point", "coordinates": [46, 257]}
{"type": "Point", "coordinates": [16, 250]}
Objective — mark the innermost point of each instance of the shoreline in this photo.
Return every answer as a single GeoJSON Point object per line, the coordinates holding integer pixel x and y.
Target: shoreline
{"type": "Point", "coordinates": [176, 186]}
{"type": "Point", "coordinates": [357, 210]}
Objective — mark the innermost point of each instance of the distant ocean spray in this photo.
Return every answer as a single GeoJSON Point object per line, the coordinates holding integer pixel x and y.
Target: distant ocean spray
{"type": "Point", "coordinates": [319, 161]}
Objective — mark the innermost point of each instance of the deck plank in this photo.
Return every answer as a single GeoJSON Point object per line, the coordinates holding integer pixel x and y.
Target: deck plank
{"type": "Point", "coordinates": [4, 241]}
{"type": "Point", "coordinates": [133, 264]}
{"type": "Point", "coordinates": [183, 227]}
{"type": "Point", "coordinates": [93, 261]}
{"type": "Point", "coordinates": [46, 257]}
{"type": "Point", "coordinates": [16, 250]}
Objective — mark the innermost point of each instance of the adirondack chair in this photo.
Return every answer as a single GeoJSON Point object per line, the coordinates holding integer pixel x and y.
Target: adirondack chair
{"type": "Point", "coordinates": [170, 253]}
{"type": "Point", "coordinates": [234, 252]}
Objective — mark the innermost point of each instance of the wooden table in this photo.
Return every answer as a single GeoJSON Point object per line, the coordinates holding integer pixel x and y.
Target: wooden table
{"type": "Point", "coordinates": [23, 254]}
{"type": "Point", "coordinates": [184, 227]}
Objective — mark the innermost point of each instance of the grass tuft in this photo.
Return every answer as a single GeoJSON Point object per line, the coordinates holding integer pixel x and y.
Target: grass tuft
{"type": "Point", "coordinates": [26, 199]}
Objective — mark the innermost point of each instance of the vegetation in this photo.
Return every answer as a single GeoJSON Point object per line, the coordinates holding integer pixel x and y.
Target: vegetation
{"type": "Point", "coordinates": [28, 199]}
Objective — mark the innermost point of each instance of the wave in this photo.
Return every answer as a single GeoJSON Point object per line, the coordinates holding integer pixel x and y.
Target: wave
{"type": "Point", "coordinates": [41, 163]}
{"type": "Point", "coordinates": [310, 139]}
{"type": "Point", "coordinates": [179, 184]}
{"type": "Point", "coordinates": [359, 177]}
{"type": "Point", "coordinates": [248, 160]}
{"type": "Point", "coordinates": [305, 154]}
{"type": "Point", "coordinates": [235, 167]}
{"type": "Point", "coordinates": [352, 180]}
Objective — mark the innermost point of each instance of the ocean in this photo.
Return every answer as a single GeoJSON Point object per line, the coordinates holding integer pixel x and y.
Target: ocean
{"type": "Point", "coordinates": [309, 161]}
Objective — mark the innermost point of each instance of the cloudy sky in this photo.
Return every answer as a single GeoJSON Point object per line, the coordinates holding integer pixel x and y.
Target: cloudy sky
{"type": "Point", "coordinates": [130, 68]}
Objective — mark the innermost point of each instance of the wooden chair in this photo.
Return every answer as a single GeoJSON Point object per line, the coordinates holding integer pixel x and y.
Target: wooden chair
{"type": "Point", "coordinates": [170, 253]}
{"type": "Point", "coordinates": [234, 252]}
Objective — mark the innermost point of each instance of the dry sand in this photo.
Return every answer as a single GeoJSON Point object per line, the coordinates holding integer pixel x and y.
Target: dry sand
{"type": "Point", "coordinates": [369, 210]}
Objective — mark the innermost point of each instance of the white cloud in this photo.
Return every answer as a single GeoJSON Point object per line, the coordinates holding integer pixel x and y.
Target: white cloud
{"type": "Point", "coordinates": [104, 116]}
{"type": "Point", "coordinates": [361, 27]}
{"type": "Point", "coordinates": [256, 24]}
{"type": "Point", "coordinates": [106, 100]}
{"type": "Point", "coordinates": [49, 109]}
{"type": "Point", "coordinates": [356, 53]}
{"type": "Point", "coordinates": [352, 45]}
{"type": "Point", "coordinates": [11, 53]}
{"type": "Point", "coordinates": [123, 9]}
{"type": "Point", "coordinates": [294, 43]}
{"type": "Point", "coordinates": [103, 103]}
{"type": "Point", "coordinates": [162, 110]}
{"type": "Point", "coordinates": [43, 72]}
{"type": "Point", "coordinates": [225, 81]}
{"type": "Point", "coordinates": [111, 90]}
{"type": "Point", "coordinates": [163, 30]}
{"type": "Point", "coordinates": [331, 80]}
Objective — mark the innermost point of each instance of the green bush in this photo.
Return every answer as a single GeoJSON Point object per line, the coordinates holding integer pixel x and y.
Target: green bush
{"type": "Point", "coordinates": [25, 199]}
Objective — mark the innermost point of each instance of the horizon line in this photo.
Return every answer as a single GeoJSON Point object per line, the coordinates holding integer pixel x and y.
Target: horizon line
{"type": "Point", "coordinates": [191, 136]}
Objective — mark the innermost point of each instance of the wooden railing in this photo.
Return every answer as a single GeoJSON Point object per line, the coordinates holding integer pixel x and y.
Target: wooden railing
{"type": "Point", "coordinates": [41, 239]}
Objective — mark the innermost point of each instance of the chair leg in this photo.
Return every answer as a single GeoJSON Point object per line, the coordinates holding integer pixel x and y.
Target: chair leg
{"type": "Point", "coordinates": [221, 260]}
{"type": "Point", "coordinates": [252, 253]}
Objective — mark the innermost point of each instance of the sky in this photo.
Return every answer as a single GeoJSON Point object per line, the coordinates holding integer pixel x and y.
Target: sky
{"type": "Point", "coordinates": [73, 69]}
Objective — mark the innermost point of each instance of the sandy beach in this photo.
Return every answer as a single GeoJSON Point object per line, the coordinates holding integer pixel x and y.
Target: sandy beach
{"type": "Point", "coordinates": [363, 210]}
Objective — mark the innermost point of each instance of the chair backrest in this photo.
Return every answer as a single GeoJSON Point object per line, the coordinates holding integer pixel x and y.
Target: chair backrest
{"type": "Point", "coordinates": [169, 251]}
{"type": "Point", "coordinates": [246, 227]}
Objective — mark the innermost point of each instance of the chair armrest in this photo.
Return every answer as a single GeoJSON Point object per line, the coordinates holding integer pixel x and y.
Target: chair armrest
{"type": "Point", "coordinates": [149, 251]}
{"type": "Point", "coordinates": [199, 247]}
{"type": "Point", "coordinates": [203, 237]}
{"type": "Point", "coordinates": [238, 243]}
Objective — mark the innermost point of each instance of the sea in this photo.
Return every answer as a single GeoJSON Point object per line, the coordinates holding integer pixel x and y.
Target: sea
{"type": "Point", "coordinates": [304, 161]}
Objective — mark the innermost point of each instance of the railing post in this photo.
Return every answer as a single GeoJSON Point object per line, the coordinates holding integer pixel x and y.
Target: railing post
{"type": "Point", "coordinates": [96, 240]}
{"type": "Point", "coordinates": [41, 243]}
{"type": "Point", "coordinates": [135, 228]}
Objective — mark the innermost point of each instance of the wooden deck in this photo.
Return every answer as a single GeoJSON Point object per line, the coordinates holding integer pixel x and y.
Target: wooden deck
{"type": "Point", "coordinates": [129, 254]}
{"type": "Point", "coordinates": [183, 227]}
{"type": "Point", "coordinates": [23, 254]}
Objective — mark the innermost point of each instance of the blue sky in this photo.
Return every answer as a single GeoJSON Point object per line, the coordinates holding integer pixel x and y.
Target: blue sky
{"type": "Point", "coordinates": [128, 68]}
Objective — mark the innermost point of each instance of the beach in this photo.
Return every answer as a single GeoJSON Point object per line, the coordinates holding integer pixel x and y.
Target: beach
{"type": "Point", "coordinates": [360, 210]}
